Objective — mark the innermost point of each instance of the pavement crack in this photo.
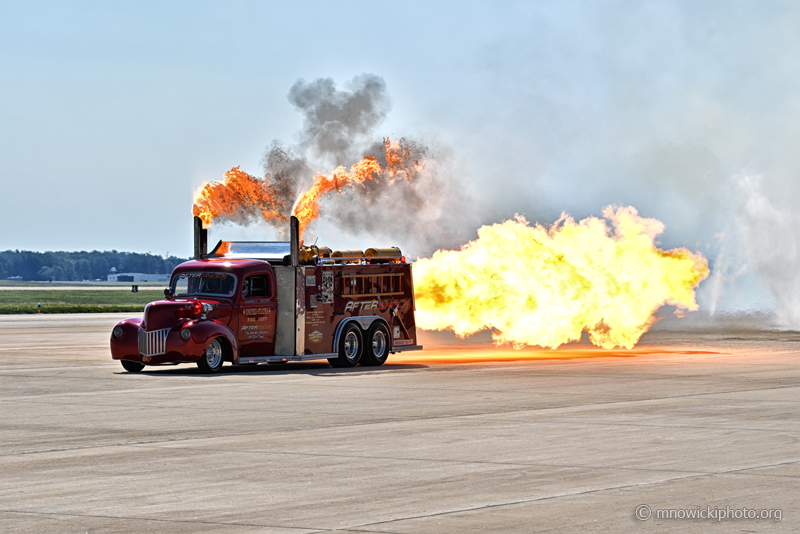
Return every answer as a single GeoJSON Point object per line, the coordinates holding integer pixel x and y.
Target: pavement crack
{"type": "Point", "coordinates": [524, 501]}
{"type": "Point", "coordinates": [161, 520]}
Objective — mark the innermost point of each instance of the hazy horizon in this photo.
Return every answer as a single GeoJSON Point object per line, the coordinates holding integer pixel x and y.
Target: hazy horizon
{"type": "Point", "coordinates": [114, 114]}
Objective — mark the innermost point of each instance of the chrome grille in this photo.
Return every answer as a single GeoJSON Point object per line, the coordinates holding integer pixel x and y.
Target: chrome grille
{"type": "Point", "coordinates": [153, 343]}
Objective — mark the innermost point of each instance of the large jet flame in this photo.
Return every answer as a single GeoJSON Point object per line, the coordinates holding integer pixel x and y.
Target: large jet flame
{"type": "Point", "coordinates": [537, 286]}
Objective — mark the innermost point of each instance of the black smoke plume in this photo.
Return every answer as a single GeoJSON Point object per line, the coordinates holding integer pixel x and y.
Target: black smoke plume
{"type": "Point", "coordinates": [414, 203]}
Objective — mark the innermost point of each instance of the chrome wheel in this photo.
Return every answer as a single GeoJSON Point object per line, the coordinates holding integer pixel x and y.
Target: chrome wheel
{"type": "Point", "coordinates": [351, 345]}
{"type": "Point", "coordinates": [214, 354]}
{"type": "Point", "coordinates": [211, 362]}
{"type": "Point", "coordinates": [378, 346]}
{"type": "Point", "coordinates": [378, 343]}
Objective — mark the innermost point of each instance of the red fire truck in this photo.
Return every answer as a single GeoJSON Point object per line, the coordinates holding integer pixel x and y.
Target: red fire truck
{"type": "Point", "coordinates": [251, 302]}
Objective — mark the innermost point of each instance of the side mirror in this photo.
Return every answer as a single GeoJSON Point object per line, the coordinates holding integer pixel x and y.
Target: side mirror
{"type": "Point", "coordinates": [168, 293]}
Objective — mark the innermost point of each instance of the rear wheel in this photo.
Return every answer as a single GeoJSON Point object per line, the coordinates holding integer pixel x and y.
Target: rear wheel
{"type": "Point", "coordinates": [211, 362]}
{"type": "Point", "coordinates": [351, 346]}
{"type": "Point", "coordinates": [377, 349]}
{"type": "Point", "coordinates": [132, 367]}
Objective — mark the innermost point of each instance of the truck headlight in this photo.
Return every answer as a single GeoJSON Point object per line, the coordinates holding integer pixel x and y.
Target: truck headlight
{"type": "Point", "coordinates": [186, 334]}
{"type": "Point", "coordinates": [117, 331]}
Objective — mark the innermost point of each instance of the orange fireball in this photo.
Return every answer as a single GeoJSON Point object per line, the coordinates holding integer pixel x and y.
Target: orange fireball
{"type": "Point", "coordinates": [306, 209]}
{"type": "Point", "coordinates": [399, 158]}
{"type": "Point", "coordinates": [237, 195]}
{"type": "Point", "coordinates": [543, 287]}
{"type": "Point", "coordinates": [240, 196]}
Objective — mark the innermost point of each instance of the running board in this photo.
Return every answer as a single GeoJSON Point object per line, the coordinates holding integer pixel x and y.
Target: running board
{"type": "Point", "coordinates": [285, 359]}
{"type": "Point", "coordinates": [401, 348]}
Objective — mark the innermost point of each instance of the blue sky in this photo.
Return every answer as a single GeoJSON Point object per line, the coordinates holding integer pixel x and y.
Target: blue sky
{"type": "Point", "coordinates": [113, 113]}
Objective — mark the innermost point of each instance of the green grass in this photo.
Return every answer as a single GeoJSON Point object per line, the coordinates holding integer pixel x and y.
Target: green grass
{"type": "Point", "coordinates": [103, 283]}
{"type": "Point", "coordinates": [75, 301]}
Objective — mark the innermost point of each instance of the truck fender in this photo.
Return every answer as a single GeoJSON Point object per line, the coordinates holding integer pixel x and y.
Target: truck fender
{"type": "Point", "coordinates": [364, 322]}
{"type": "Point", "coordinates": [204, 330]}
{"type": "Point", "coordinates": [128, 343]}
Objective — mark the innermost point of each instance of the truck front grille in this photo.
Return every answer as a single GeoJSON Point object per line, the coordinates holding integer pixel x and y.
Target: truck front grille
{"type": "Point", "coordinates": [153, 343]}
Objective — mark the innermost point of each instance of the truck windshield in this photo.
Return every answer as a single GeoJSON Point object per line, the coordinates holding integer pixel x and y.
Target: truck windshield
{"type": "Point", "coordinates": [211, 284]}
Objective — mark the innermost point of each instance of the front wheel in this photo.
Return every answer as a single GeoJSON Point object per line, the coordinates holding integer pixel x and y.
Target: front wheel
{"type": "Point", "coordinates": [211, 362]}
{"type": "Point", "coordinates": [350, 347]}
{"type": "Point", "coordinates": [131, 367]}
{"type": "Point", "coordinates": [377, 349]}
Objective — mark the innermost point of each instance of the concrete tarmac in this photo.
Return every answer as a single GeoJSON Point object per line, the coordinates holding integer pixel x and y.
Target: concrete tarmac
{"type": "Point", "coordinates": [452, 439]}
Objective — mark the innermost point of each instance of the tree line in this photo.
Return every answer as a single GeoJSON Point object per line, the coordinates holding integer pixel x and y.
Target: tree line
{"type": "Point", "coordinates": [78, 266]}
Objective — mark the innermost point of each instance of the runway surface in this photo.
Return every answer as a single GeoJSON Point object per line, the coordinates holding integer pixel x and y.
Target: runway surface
{"type": "Point", "coordinates": [457, 438]}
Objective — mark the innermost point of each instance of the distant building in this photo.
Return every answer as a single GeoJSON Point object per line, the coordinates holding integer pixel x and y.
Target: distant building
{"type": "Point", "coordinates": [114, 276]}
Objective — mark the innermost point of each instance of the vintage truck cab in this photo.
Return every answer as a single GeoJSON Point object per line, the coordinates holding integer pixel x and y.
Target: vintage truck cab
{"type": "Point", "coordinates": [274, 302]}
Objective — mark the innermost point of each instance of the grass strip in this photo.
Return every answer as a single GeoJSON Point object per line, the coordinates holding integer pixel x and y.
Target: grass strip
{"type": "Point", "coordinates": [88, 301]}
{"type": "Point", "coordinates": [11, 310]}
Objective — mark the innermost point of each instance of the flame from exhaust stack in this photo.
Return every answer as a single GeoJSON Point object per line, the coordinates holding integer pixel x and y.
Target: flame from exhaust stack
{"type": "Point", "coordinates": [306, 209]}
{"type": "Point", "coordinates": [237, 196]}
{"type": "Point", "coordinates": [536, 286]}
{"type": "Point", "coordinates": [240, 196]}
{"type": "Point", "coordinates": [398, 160]}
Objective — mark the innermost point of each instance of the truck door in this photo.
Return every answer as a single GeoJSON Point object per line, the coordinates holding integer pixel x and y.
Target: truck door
{"type": "Point", "coordinates": [321, 320]}
{"type": "Point", "coordinates": [257, 312]}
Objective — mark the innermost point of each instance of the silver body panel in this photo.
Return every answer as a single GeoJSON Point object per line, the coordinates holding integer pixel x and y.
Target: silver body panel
{"type": "Point", "coordinates": [290, 327]}
{"type": "Point", "coordinates": [300, 312]}
{"type": "Point", "coordinates": [285, 327]}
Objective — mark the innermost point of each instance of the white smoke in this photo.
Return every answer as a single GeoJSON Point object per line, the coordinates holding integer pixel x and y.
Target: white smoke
{"type": "Point", "coordinates": [764, 247]}
{"type": "Point", "coordinates": [769, 241]}
{"type": "Point", "coordinates": [727, 268]}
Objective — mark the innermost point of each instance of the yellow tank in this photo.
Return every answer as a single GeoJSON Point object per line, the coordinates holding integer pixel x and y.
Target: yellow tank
{"type": "Point", "coordinates": [348, 256]}
{"type": "Point", "coordinates": [307, 254]}
{"type": "Point", "coordinates": [384, 255]}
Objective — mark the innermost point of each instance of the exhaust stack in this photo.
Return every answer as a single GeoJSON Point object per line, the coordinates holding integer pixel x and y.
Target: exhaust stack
{"type": "Point", "coordinates": [200, 239]}
{"type": "Point", "coordinates": [294, 236]}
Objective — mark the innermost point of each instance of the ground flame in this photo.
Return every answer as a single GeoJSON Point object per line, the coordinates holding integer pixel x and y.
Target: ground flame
{"type": "Point", "coordinates": [543, 287]}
